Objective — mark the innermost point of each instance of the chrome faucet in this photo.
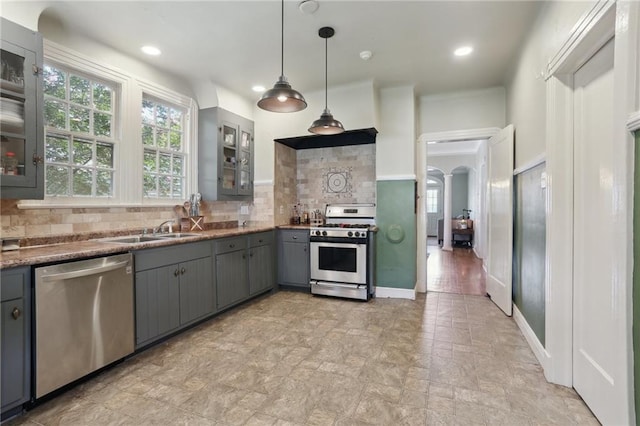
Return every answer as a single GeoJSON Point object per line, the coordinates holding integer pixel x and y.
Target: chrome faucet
{"type": "Point", "coordinates": [169, 222]}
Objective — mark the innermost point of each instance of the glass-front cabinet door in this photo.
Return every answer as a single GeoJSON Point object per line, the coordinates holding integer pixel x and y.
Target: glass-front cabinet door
{"type": "Point", "coordinates": [244, 168]}
{"type": "Point", "coordinates": [229, 158]}
{"type": "Point", "coordinates": [21, 127]}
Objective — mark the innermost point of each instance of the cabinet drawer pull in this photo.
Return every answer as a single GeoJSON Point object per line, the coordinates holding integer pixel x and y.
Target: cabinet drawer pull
{"type": "Point", "coordinates": [16, 313]}
{"type": "Point", "coordinates": [232, 245]}
{"type": "Point", "coordinates": [294, 238]}
{"type": "Point", "coordinates": [260, 240]}
{"type": "Point", "coordinates": [176, 273]}
{"type": "Point", "coordinates": [182, 271]}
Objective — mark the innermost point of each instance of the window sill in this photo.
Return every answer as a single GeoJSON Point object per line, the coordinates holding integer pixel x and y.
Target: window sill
{"type": "Point", "coordinates": [32, 205]}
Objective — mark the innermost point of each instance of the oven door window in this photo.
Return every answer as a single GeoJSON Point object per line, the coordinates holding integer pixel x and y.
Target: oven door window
{"type": "Point", "coordinates": [335, 262]}
{"type": "Point", "coordinates": [342, 259]}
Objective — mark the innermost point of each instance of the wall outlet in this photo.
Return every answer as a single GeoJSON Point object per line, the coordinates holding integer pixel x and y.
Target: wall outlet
{"type": "Point", "coordinates": [244, 209]}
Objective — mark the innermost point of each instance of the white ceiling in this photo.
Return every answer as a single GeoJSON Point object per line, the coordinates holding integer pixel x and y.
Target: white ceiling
{"type": "Point", "coordinates": [237, 43]}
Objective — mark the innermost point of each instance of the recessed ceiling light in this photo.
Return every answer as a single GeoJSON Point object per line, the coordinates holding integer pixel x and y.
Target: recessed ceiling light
{"type": "Point", "coordinates": [463, 51]}
{"type": "Point", "coordinates": [151, 50]}
{"type": "Point", "coordinates": [258, 88]}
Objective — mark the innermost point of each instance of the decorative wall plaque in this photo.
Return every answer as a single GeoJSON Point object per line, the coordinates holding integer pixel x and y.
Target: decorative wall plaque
{"type": "Point", "coordinates": [337, 182]}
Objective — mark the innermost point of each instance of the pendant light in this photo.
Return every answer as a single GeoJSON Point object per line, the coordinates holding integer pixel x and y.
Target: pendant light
{"type": "Point", "coordinates": [282, 98]}
{"type": "Point", "coordinates": [326, 124]}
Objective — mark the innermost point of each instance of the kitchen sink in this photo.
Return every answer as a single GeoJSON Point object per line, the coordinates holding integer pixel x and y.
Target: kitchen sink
{"type": "Point", "coordinates": [176, 235]}
{"type": "Point", "coordinates": [130, 239]}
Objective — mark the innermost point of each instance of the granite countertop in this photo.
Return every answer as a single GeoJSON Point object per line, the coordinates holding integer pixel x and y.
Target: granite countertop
{"type": "Point", "coordinates": [89, 248]}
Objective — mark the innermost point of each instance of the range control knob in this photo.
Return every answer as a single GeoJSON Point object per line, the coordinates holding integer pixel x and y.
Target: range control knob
{"type": "Point", "coordinates": [357, 234]}
{"type": "Point", "coordinates": [317, 232]}
{"type": "Point", "coordinates": [324, 233]}
{"type": "Point", "coordinates": [350, 234]}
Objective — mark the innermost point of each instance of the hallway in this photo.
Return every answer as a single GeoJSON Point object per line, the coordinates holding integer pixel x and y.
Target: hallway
{"type": "Point", "coordinates": [458, 271]}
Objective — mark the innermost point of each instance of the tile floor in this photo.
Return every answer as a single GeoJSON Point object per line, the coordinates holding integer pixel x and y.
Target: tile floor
{"type": "Point", "coordinates": [294, 359]}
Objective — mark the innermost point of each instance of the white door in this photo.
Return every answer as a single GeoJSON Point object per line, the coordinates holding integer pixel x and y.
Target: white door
{"type": "Point", "coordinates": [500, 217]}
{"type": "Point", "coordinates": [599, 363]}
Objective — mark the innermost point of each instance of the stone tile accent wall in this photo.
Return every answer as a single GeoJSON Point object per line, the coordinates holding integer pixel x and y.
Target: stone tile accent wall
{"type": "Point", "coordinates": [19, 223]}
{"type": "Point", "coordinates": [345, 174]}
{"type": "Point", "coordinates": [284, 182]}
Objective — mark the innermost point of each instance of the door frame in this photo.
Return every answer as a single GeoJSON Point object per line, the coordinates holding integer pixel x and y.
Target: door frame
{"type": "Point", "coordinates": [605, 20]}
{"type": "Point", "coordinates": [421, 173]}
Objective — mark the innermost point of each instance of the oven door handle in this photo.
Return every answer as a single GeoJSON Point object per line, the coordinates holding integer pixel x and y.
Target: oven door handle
{"type": "Point", "coordinates": [330, 284]}
{"type": "Point", "coordinates": [338, 242]}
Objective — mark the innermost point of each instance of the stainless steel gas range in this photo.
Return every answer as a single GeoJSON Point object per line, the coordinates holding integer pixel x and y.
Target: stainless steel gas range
{"type": "Point", "coordinates": [342, 254]}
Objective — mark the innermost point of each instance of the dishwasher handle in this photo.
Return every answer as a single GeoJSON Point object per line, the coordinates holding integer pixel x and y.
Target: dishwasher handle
{"type": "Point", "coordinates": [84, 272]}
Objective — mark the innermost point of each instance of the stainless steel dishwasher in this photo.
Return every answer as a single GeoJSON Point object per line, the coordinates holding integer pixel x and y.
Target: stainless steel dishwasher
{"type": "Point", "coordinates": [84, 318]}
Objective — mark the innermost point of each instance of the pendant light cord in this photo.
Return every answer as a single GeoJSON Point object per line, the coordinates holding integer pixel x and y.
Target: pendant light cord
{"type": "Point", "coordinates": [326, 68]}
{"type": "Point", "coordinates": [282, 40]}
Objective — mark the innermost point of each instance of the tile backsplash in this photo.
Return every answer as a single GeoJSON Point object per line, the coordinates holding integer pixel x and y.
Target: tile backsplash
{"type": "Point", "coordinates": [343, 174]}
{"type": "Point", "coordinates": [40, 222]}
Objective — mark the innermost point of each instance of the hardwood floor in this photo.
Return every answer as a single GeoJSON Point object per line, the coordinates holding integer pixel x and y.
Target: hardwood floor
{"type": "Point", "coordinates": [458, 271]}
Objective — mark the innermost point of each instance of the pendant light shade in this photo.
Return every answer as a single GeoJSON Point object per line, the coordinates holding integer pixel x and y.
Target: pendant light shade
{"type": "Point", "coordinates": [326, 124]}
{"type": "Point", "coordinates": [282, 97]}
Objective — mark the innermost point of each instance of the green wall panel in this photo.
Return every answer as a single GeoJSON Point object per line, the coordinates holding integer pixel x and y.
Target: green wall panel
{"type": "Point", "coordinates": [529, 249]}
{"type": "Point", "coordinates": [396, 239]}
{"type": "Point", "coordinates": [636, 274]}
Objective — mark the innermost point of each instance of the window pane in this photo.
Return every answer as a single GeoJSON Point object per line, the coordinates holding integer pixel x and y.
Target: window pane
{"type": "Point", "coordinates": [150, 185]}
{"type": "Point", "coordinates": [147, 135]}
{"type": "Point", "coordinates": [79, 90]}
{"type": "Point", "coordinates": [162, 116]}
{"type": "Point", "coordinates": [149, 161]}
{"type": "Point", "coordinates": [57, 180]}
{"type": "Point", "coordinates": [101, 97]}
{"type": "Point", "coordinates": [55, 114]}
{"type": "Point", "coordinates": [101, 124]}
{"type": "Point", "coordinates": [82, 153]}
{"type": "Point", "coordinates": [78, 119]}
{"type": "Point", "coordinates": [164, 186]}
{"type": "Point", "coordinates": [177, 187]}
{"type": "Point", "coordinates": [57, 150]}
{"type": "Point", "coordinates": [162, 138]}
{"type": "Point", "coordinates": [147, 111]}
{"type": "Point", "coordinates": [104, 155]}
{"type": "Point", "coordinates": [54, 82]}
{"type": "Point", "coordinates": [177, 165]}
{"type": "Point", "coordinates": [176, 120]}
{"type": "Point", "coordinates": [104, 183]}
{"type": "Point", "coordinates": [82, 182]}
{"type": "Point", "coordinates": [164, 165]}
{"type": "Point", "coordinates": [175, 141]}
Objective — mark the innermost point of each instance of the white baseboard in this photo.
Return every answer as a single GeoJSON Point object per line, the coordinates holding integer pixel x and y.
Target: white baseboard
{"type": "Point", "coordinates": [538, 350]}
{"type": "Point", "coordinates": [396, 293]}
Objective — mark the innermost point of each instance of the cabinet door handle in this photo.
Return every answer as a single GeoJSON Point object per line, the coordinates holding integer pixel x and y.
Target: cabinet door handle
{"type": "Point", "coordinates": [37, 159]}
{"type": "Point", "coordinates": [232, 245]}
{"type": "Point", "coordinates": [16, 313]}
{"type": "Point", "coordinates": [294, 238]}
{"type": "Point", "coordinates": [304, 249]}
{"type": "Point", "coordinates": [182, 271]}
{"type": "Point", "coordinates": [244, 256]}
{"type": "Point", "coordinates": [250, 254]}
{"type": "Point", "coordinates": [259, 241]}
{"type": "Point", "coordinates": [176, 273]}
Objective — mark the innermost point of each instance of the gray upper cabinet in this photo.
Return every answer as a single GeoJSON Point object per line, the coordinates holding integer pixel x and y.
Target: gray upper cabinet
{"type": "Point", "coordinates": [225, 155]}
{"type": "Point", "coordinates": [21, 121]}
{"type": "Point", "coordinates": [15, 341]}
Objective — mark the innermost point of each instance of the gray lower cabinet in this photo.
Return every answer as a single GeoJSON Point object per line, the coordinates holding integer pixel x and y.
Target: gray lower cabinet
{"type": "Point", "coordinates": [261, 262]}
{"type": "Point", "coordinates": [293, 258]}
{"type": "Point", "coordinates": [244, 267]}
{"type": "Point", "coordinates": [15, 341]}
{"type": "Point", "coordinates": [174, 287]}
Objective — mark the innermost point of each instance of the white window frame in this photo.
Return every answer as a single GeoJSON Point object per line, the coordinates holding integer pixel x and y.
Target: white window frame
{"type": "Point", "coordinates": [429, 198]}
{"type": "Point", "coordinates": [128, 155]}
